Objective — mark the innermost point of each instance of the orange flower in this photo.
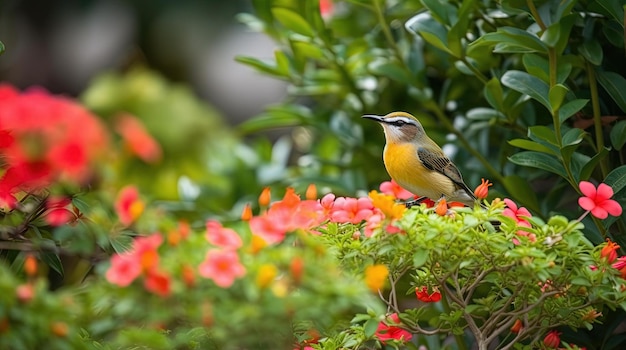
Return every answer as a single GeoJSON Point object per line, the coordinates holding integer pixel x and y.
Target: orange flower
{"type": "Point", "coordinates": [442, 207]}
{"type": "Point", "coordinates": [376, 277]}
{"type": "Point", "coordinates": [30, 265]}
{"type": "Point", "coordinates": [128, 205]}
{"type": "Point", "coordinates": [137, 138]}
{"type": "Point", "coordinates": [189, 276]}
{"type": "Point", "coordinates": [483, 189]}
{"type": "Point", "coordinates": [609, 251]}
{"type": "Point", "coordinates": [246, 213]}
{"type": "Point", "coordinates": [517, 326]}
{"type": "Point", "coordinates": [158, 283]}
{"type": "Point", "coordinates": [59, 329]}
{"type": "Point", "coordinates": [296, 267]}
{"type": "Point", "coordinates": [265, 197]}
{"type": "Point", "coordinates": [311, 192]}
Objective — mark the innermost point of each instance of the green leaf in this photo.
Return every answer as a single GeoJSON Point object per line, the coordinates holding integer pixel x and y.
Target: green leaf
{"type": "Point", "coordinates": [511, 39]}
{"type": "Point", "coordinates": [527, 84]}
{"type": "Point", "coordinates": [389, 69]}
{"type": "Point", "coordinates": [531, 146]}
{"type": "Point", "coordinates": [615, 85]}
{"type": "Point", "coordinates": [552, 35]}
{"type": "Point", "coordinates": [420, 257]}
{"type": "Point", "coordinates": [618, 135]}
{"type": "Point", "coordinates": [617, 179]}
{"type": "Point", "coordinates": [282, 62]}
{"type": "Point", "coordinates": [53, 260]}
{"type": "Point", "coordinates": [430, 30]}
{"type": "Point", "coordinates": [589, 167]}
{"type": "Point", "coordinates": [263, 66]}
{"type": "Point", "coordinates": [556, 96]}
{"type": "Point", "coordinates": [494, 94]}
{"type": "Point", "coordinates": [1, 48]}
{"type": "Point", "coordinates": [543, 135]}
{"type": "Point", "coordinates": [570, 108]}
{"type": "Point", "coordinates": [121, 243]}
{"type": "Point", "coordinates": [370, 326]}
{"type": "Point", "coordinates": [540, 161]}
{"type": "Point", "coordinates": [443, 12]}
{"type": "Point", "coordinates": [519, 188]}
{"type": "Point", "coordinates": [293, 21]}
{"type": "Point", "coordinates": [591, 51]}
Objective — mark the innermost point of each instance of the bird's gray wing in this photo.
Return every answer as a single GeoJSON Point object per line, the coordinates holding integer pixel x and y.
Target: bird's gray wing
{"type": "Point", "coordinates": [444, 166]}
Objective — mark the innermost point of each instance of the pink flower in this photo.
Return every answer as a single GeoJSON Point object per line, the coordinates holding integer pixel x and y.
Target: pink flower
{"type": "Point", "coordinates": [137, 138]}
{"type": "Point", "coordinates": [222, 266]}
{"type": "Point", "coordinates": [128, 205]}
{"type": "Point", "coordinates": [352, 210]}
{"type": "Point", "coordinates": [386, 332]}
{"type": "Point", "coordinates": [222, 237]}
{"type": "Point", "coordinates": [597, 201]}
{"type": "Point", "coordinates": [124, 269]}
{"type": "Point", "coordinates": [145, 251]}
{"type": "Point", "coordinates": [519, 214]}
{"type": "Point", "coordinates": [57, 212]}
{"type": "Point", "coordinates": [620, 265]}
{"type": "Point", "coordinates": [392, 188]}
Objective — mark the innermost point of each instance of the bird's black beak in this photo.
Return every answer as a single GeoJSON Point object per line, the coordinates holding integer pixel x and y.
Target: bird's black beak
{"type": "Point", "coordinates": [373, 117]}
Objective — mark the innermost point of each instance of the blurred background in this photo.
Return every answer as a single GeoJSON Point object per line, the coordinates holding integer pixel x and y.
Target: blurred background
{"type": "Point", "coordinates": [63, 45]}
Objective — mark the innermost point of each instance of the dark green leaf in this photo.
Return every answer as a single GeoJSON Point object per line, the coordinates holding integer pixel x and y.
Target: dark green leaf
{"type": "Point", "coordinates": [494, 94]}
{"type": "Point", "coordinates": [589, 167]}
{"type": "Point", "coordinates": [543, 135]}
{"type": "Point", "coordinates": [591, 51]}
{"type": "Point", "coordinates": [513, 39]}
{"type": "Point", "coordinates": [430, 30]}
{"type": "Point", "coordinates": [52, 260]}
{"type": "Point", "coordinates": [520, 189]}
{"type": "Point", "coordinates": [618, 135]}
{"type": "Point", "coordinates": [556, 96]}
{"type": "Point", "coordinates": [531, 146]}
{"type": "Point", "coordinates": [293, 21]}
{"type": "Point", "coordinates": [539, 160]}
{"type": "Point", "coordinates": [527, 84]}
{"type": "Point", "coordinates": [442, 11]}
{"type": "Point", "coordinates": [577, 163]}
{"type": "Point", "coordinates": [389, 69]}
{"type": "Point", "coordinates": [1, 48]}
{"type": "Point", "coordinates": [611, 8]}
{"type": "Point", "coordinates": [615, 85]}
{"type": "Point", "coordinates": [617, 179]}
{"type": "Point", "coordinates": [570, 108]}
{"type": "Point", "coordinates": [552, 35]}
{"type": "Point", "coordinates": [573, 137]}
{"type": "Point", "coordinates": [370, 326]}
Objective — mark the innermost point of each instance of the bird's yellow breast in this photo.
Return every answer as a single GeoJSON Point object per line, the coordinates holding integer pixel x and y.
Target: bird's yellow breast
{"type": "Point", "coordinates": [404, 166]}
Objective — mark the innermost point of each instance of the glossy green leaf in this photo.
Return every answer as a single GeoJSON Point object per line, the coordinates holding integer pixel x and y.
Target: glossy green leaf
{"type": "Point", "coordinates": [591, 51]}
{"type": "Point", "coordinates": [539, 66]}
{"type": "Point", "coordinates": [552, 35]}
{"type": "Point", "coordinates": [282, 62]}
{"type": "Point", "coordinates": [577, 163]}
{"type": "Point", "coordinates": [53, 260]}
{"type": "Point", "coordinates": [527, 84]}
{"type": "Point", "coordinates": [618, 135]}
{"type": "Point", "coordinates": [442, 11]}
{"type": "Point", "coordinates": [615, 86]}
{"type": "Point", "coordinates": [420, 257]}
{"type": "Point", "coordinates": [511, 39]}
{"type": "Point", "coordinates": [494, 94]}
{"type": "Point", "coordinates": [616, 179]}
{"type": "Point", "coordinates": [389, 69]}
{"type": "Point", "coordinates": [263, 66]}
{"type": "Point", "coordinates": [293, 21]}
{"type": "Point", "coordinates": [570, 108]}
{"type": "Point", "coordinates": [520, 189]}
{"type": "Point", "coordinates": [571, 140]}
{"type": "Point", "coordinates": [556, 96]}
{"type": "Point", "coordinates": [589, 167]}
{"type": "Point", "coordinates": [370, 326]}
{"type": "Point", "coordinates": [265, 121]}
{"type": "Point", "coordinates": [539, 160]}
{"type": "Point", "coordinates": [2, 48]}
{"type": "Point", "coordinates": [531, 146]}
{"type": "Point", "coordinates": [612, 8]}
{"type": "Point", "coordinates": [430, 30]}
{"type": "Point", "coordinates": [543, 135]}
{"type": "Point", "coordinates": [121, 243]}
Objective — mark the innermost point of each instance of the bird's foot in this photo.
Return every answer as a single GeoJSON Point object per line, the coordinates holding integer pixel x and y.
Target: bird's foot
{"type": "Point", "coordinates": [415, 201]}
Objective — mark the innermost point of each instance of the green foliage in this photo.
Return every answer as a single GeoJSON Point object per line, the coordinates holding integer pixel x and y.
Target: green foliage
{"type": "Point", "coordinates": [540, 75]}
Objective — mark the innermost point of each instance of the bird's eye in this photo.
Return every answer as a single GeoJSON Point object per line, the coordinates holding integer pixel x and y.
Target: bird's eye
{"type": "Point", "coordinates": [399, 122]}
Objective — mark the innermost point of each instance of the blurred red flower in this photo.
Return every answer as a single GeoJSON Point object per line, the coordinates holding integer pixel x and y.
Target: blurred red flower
{"type": "Point", "coordinates": [222, 266]}
{"type": "Point", "coordinates": [386, 331]}
{"type": "Point", "coordinates": [137, 138]}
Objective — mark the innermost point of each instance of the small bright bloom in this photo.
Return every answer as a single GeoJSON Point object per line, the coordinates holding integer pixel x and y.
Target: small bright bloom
{"type": "Point", "coordinates": [25, 292]}
{"type": "Point", "coordinates": [246, 213]}
{"type": "Point", "coordinates": [387, 205]}
{"type": "Point", "coordinates": [222, 266]}
{"type": "Point", "coordinates": [552, 339]}
{"type": "Point", "coordinates": [158, 283]}
{"type": "Point", "coordinates": [221, 236]}
{"type": "Point", "coordinates": [265, 275]}
{"type": "Point", "coordinates": [351, 210]}
{"type": "Point", "coordinates": [442, 207]}
{"type": "Point", "coordinates": [296, 268]}
{"type": "Point", "coordinates": [591, 315]}
{"type": "Point", "coordinates": [57, 211]}
{"type": "Point", "coordinates": [423, 295]}
{"type": "Point", "coordinates": [376, 277]}
{"type": "Point", "coordinates": [311, 192]}
{"type": "Point", "coordinates": [482, 190]}
{"type": "Point", "coordinates": [138, 139]}
{"type": "Point", "coordinates": [389, 330]}
{"type": "Point", "coordinates": [265, 197]}
{"type": "Point", "coordinates": [609, 251]}
{"type": "Point", "coordinates": [392, 188]}
{"type": "Point", "coordinates": [620, 265]}
{"type": "Point", "coordinates": [519, 214]}
{"type": "Point", "coordinates": [517, 326]}
{"type": "Point", "coordinates": [597, 200]}
{"type": "Point", "coordinates": [30, 265]}
{"type": "Point", "coordinates": [124, 269]}
{"type": "Point", "coordinates": [189, 276]}
{"type": "Point", "coordinates": [128, 205]}
{"type": "Point", "coordinates": [60, 329]}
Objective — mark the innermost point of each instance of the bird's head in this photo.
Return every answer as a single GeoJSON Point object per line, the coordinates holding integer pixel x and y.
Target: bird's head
{"type": "Point", "coordinates": [399, 127]}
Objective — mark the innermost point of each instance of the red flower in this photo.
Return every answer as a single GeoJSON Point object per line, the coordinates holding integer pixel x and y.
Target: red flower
{"type": "Point", "coordinates": [124, 269]}
{"type": "Point", "coordinates": [222, 266]}
{"type": "Point", "coordinates": [552, 339]}
{"type": "Point", "coordinates": [158, 283]}
{"type": "Point", "coordinates": [597, 201]}
{"type": "Point", "coordinates": [482, 190]}
{"type": "Point", "coordinates": [620, 265]}
{"type": "Point", "coordinates": [57, 211]}
{"type": "Point", "coordinates": [517, 326]}
{"type": "Point", "coordinates": [386, 332]}
{"type": "Point", "coordinates": [128, 205]}
{"type": "Point", "coordinates": [609, 251]}
{"type": "Point", "coordinates": [422, 294]}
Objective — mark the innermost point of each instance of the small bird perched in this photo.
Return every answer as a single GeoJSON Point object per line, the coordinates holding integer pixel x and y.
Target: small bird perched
{"type": "Point", "coordinates": [417, 163]}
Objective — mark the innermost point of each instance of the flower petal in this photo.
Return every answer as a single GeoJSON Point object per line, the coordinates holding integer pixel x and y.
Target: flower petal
{"type": "Point", "coordinates": [599, 212]}
{"type": "Point", "coordinates": [613, 207]}
{"type": "Point", "coordinates": [588, 189]}
{"type": "Point", "coordinates": [586, 203]}
{"type": "Point", "coordinates": [604, 191]}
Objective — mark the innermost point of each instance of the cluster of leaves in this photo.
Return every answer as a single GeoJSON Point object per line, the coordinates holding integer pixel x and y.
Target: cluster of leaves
{"type": "Point", "coordinates": [547, 72]}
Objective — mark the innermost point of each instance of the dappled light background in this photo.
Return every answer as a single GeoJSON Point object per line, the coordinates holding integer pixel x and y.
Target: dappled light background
{"type": "Point", "coordinates": [64, 45]}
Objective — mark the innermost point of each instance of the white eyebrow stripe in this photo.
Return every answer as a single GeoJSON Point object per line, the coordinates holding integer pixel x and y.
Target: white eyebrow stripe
{"type": "Point", "coordinates": [404, 119]}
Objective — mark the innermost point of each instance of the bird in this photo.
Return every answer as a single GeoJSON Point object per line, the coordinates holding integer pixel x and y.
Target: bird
{"type": "Point", "coordinates": [418, 164]}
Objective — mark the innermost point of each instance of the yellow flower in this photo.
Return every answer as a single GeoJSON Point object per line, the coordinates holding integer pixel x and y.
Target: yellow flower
{"type": "Point", "coordinates": [376, 277]}
{"type": "Point", "coordinates": [266, 274]}
{"type": "Point", "coordinates": [387, 205]}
